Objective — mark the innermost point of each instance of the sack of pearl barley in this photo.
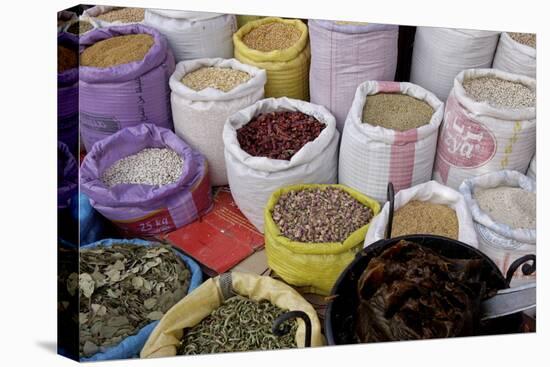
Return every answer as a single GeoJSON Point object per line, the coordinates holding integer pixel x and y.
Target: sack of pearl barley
{"type": "Point", "coordinates": [479, 136]}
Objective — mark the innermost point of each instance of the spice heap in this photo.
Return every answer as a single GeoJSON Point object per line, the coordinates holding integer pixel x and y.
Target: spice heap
{"type": "Point", "coordinates": [117, 50]}
{"type": "Point", "coordinates": [500, 93]}
{"type": "Point", "coordinates": [396, 111]}
{"type": "Point", "coordinates": [411, 292]}
{"type": "Point", "coordinates": [528, 39]}
{"type": "Point", "coordinates": [278, 135]}
{"type": "Point", "coordinates": [223, 79]}
{"type": "Point", "coordinates": [512, 206]}
{"type": "Point", "coordinates": [151, 166]}
{"type": "Point", "coordinates": [419, 217]}
{"type": "Point", "coordinates": [319, 215]}
{"type": "Point", "coordinates": [124, 15]}
{"type": "Point", "coordinates": [123, 288]}
{"type": "Point", "coordinates": [272, 36]}
{"type": "Point", "coordinates": [238, 325]}
{"type": "Point", "coordinates": [79, 27]}
{"type": "Point", "coordinates": [66, 59]}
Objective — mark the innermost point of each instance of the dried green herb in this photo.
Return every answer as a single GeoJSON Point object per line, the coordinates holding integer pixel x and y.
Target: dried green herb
{"type": "Point", "coordinates": [123, 288]}
{"type": "Point", "coordinates": [239, 324]}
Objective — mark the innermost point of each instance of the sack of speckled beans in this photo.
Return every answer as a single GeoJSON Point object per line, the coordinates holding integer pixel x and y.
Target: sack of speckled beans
{"type": "Point", "coordinates": [503, 206]}
{"type": "Point", "coordinates": [489, 125]}
{"type": "Point", "coordinates": [516, 53]}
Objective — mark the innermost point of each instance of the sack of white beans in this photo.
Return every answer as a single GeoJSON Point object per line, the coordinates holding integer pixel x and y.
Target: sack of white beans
{"type": "Point", "coordinates": [502, 242]}
{"type": "Point", "coordinates": [199, 115]}
{"type": "Point", "coordinates": [371, 156]}
{"type": "Point", "coordinates": [439, 54]}
{"type": "Point", "coordinates": [514, 57]}
{"type": "Point", "coordinates": [489, 125]}
{"type": "Point", "coordinates": [532, 170]}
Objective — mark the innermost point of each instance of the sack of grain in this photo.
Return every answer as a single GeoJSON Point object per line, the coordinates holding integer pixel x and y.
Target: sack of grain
{"type": "Point", "coordinates": [102, 16]}
{"type": "Point", "coordinates": [67, 176]}
{"type": "Point", "coordinates": [515, 57]}
{"type": "Point", "coordinates": [284, 54]}
{"type": "Point", "coordinates": [371, 156]}
{"type": "Point", "coordinates": [479, 136]}
{"type": "Point", "coordinates": [199, 115]}
{"type": "Point", "coordinates": [253, 178]}
{"type": "Point", "coordinates": [165, 340]}
{"type": "Point", "coordinates": [532, 170]}
{"type": "Point", "coordinates": [67, 90]}
{"type": "Point", "coordinates": [146, 208]}
{"type": "Point", "coordinates": [126, 94]}
{"type": "Point", "coordinates": [500, 241]}
{"type": "Point", "coordinates": [63, 18]}
{"type": "Point", "coordinates": [315, 266]}
{"type": "Point", "coordinates": [439, 54]}
{"type": "Point", "coordinates": [345, 55]}
{"type": "Point", "coordinates": [433, 193]}
{"type": "Point", "coordinates": [194, 35]}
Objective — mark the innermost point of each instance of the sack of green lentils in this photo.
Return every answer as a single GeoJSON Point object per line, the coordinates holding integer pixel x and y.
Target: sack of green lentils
{"type": "Point", "coordinates": [390, 135]}
{"type": "Point", "coordinates": [489, 125]}
{"type": "Point", "coordinates": [503, 206]}
{"type": "Point", "coordinates": [194, 35]}
{"type": "Point", "coordinates": [516, 54]}
{"type": "Point", "coordinates": [205, 92]}
{"type": "Point", "coordinates": [428, 208]}
{"type": "Point", "coordinates": [102, 16]}
{"type": "Point", "coordinates": [277, 142]}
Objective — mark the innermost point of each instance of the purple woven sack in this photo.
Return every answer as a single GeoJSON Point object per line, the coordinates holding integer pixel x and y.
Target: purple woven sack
{"type": "Point", "coordinates": [125, 95]}
{"type": "Point", "coordinates": [146, 210]}
{"type": "Point", "coordinates": [67, 97]}
{"type": "Point", "coordinates": [67, 175]}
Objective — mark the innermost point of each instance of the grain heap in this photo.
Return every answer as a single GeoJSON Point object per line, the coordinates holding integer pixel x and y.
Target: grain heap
{"type": "Point", "coordinates": [418, 217]}
{"type": "Point", "coordinates": [124, 15]}
{"type": "Point", "coordinates": [79, 27]}
{"type": "Point", "coordinates": [238, 325]}
{"type": "Point", "coordinates": [319, 215]}
{"type": "Point", "coordinates": [396, 111]}
{"type": "Point", "coordinates": [117, 50]}
{"type": "Point", "coordinates": [66, 59]}
{"type": "Point", "coordinates": [224, 79]}
{"type": "Point", "coordinates": [500, 93]}
{"type": "Point", "coordinates": [123, 288]}
{"type": "Point", "coordinates": [512, 206]}
{"type": "Point", "coordinates": [278, 135]}
{"type": "Point", "coordinates": [152, 166]}
{"type": "Point", "coordinates": [528, 39]}
{"type": "Point", "coordinates": [272, 36]}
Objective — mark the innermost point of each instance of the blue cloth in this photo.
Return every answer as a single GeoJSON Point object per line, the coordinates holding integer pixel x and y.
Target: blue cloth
{"type": "Point", "coordinates": [91, 223]}
{"type": "Point", "coordinates": [132, 345]}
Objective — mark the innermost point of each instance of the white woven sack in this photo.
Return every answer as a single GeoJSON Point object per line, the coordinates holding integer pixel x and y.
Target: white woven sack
{"type": "Point", "coordinates": [513, 57]}
{"type": "Point", "coordinates": [434, 193]}
{"type": "Point", "coordinates": [371, 156]}
{"type": "Point", "coordinates": [477, 138]}
{"type": "Point", "coordinates": [502, 243]}
{"type": "Point", "coordinates": [92, 13]}
{"type": "Point", "coordinates": [439, 54]}
{"type": "Point", "coordinates": [344, 56]}
{"type": "Point", "coordinates": [194, 35]}
{"type": "Point", "coordinates": [532, 170]}
{"type": "Point", "coordinates": [199, 116]}
{"type": "Point", "coordinates": [253, 179]}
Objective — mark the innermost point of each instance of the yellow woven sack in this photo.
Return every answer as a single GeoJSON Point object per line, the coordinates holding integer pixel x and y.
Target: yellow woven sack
{"type": "Point", "coordinates": [287, 70]}
{"type": "Point", "coordinates": [314, 266]}
{"type": "Point", "coordinates": [200, 303]}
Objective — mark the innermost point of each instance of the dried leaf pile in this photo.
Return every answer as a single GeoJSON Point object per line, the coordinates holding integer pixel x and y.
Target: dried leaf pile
{"type": "Point", "coordinates": [123, 288]}
{"type": "Point", "coordinates": [239, 325]}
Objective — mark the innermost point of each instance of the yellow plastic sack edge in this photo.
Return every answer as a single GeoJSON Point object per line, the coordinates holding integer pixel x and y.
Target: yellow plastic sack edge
{"type": "Point", "coordinates": [200, 303]}
{"type": "Point", "coordinates": [275, 55]}
{"type": "Point", "coordinates": [321, 248]}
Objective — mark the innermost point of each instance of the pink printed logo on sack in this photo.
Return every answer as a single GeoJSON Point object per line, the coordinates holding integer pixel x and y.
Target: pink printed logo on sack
{"type": "Point", "coordinates": [463, 142]}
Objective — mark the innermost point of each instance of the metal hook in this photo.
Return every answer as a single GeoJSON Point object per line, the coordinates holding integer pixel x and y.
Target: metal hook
{"type": "Point", "coordinates": [526, 269]}
{"type": "Point", "coordinates": [279, 329]}
{"type": "Point", "coordinates": [391, 199]}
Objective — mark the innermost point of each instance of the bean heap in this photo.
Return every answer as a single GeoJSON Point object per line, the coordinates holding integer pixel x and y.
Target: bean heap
{"type": "Point", "coordinates": [528, 39]}
{"type": "Point", "coordinates": [319, 215]}
{"type": "Point", "coordinates": [117, 50]}
{"type": "Point", "coordinates": [418, 217]}
{"type": "Point", "coordinates": [124, 15]}
{"type": "Point", "coordinates": [509, 205]}
{"type": "Point", "coordinates": [79, 27]}
{"type": "Point", "coordinates": [238, 325]}
{"type": "Point", "coordinates": [278, 135]}
{"type": "Point", "coordinates": [223, 79]}
{"type": "Point", "coordinates": [151, 166]}
{"type": "Point", "coordinates": [272, 36]}
{"type": "Point", "coordinates": [500, 93]}
{"type": "Point", "coordinates": [66, 59]}
{"type": "Point", "coordinates": [396, 111]}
